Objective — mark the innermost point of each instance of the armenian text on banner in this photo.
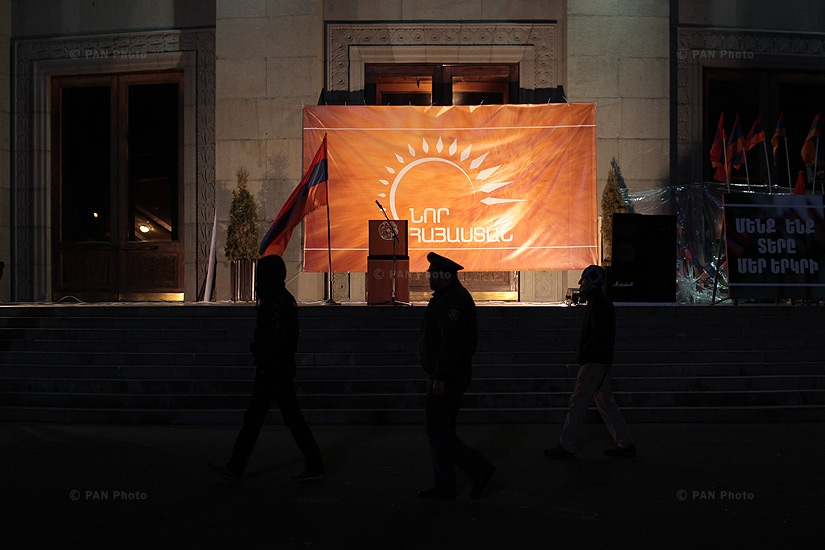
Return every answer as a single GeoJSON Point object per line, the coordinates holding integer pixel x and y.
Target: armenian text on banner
{"type": "Point", "coordinates": [494, 187]}
{"type": "Point", "coordinates": [775, 245]}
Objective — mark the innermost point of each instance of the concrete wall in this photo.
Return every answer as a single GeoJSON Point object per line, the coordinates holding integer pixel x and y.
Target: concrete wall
{"type": "Point", "coordinates": [5, 144]}
{"type": "Point", "coordinates": [270, 60]}
{"type": "Point", "coordinates": [788, 15]}
{"type": "Point", "coordinates": [444, 10]}
{"type": "Point", "coordinates": [66, 17]}
{"type": "Point", "coordinates": [618, 57]}
{"type": "Point", "coordinates": [615, 54]}
{"type": "Point", "coordinates": [270, 63]}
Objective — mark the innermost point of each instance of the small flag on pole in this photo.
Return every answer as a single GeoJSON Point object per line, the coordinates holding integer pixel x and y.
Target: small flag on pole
{"type": "Point", "coordinates": [307, 196]}
{"type": "Point", "coordinates": [756, 135]}
{"type": "Point", "coordinates": [809, 152]}
{"type": "Point", "coordinates": [736, 146]}
{"type": "Point", "coordinates": [717, 151]}
{"type": "Point", "coordinates": [778, 133]}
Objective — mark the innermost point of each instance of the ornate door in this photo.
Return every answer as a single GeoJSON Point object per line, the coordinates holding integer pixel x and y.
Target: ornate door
{"type": "Point", "coordinates": [118, 194]}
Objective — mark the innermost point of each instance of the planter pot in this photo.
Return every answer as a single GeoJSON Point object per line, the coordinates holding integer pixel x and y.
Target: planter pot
{"type": "Point", "coordinates": [242, 273]}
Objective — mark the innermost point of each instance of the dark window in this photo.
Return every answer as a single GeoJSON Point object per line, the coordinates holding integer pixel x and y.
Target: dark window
{"type": "Point", "coordinates": [84, 152]}
{"type": "Point", "coordinates": [441, 84]}
{"type": "Point", "coordinates": [153, 162]}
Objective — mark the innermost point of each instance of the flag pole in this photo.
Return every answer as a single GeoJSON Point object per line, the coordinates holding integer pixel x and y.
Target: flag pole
{"type": "Point", "coordinates": [210, 270]}
{"type": "Point", "coordinates": [768, 164]}
{"type": "Point", "coordinates": [788, 162]}
{"type": "Point", "coordinates": [816, 154]}
{"type": "Point", "coordinates": [330, 300]}
{"type": "Point", "coordinates": [727, 168]}
{"type": "Point", "coordinates": [747, 175]}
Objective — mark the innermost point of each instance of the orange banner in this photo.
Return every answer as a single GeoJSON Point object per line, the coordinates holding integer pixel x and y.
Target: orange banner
{"type": "Point", "coordinates": [494, 187]}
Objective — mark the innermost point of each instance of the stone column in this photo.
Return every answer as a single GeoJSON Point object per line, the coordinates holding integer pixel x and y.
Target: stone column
{"type": "Point", "coordinates": [618, 57]}
{"type": "Point", "coordinates": [269, 64]}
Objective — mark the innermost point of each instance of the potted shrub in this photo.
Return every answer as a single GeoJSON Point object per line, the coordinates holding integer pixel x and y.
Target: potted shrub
{"type": "Point", "coordinates": [612, 203]}
{"type": "Point", "coordinates": [242, 240]}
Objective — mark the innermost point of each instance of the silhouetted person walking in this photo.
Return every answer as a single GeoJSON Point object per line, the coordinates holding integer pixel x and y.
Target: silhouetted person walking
{"type": "Point", "coordinates": [273, 347]}
{"type": "Point", "coordinates": [595, 357]}
{"type": "Point", "coordinates": [449, 338]}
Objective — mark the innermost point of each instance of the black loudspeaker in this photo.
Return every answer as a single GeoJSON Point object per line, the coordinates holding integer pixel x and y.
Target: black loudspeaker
{"type": "Point", "coordinates": [643, 266]}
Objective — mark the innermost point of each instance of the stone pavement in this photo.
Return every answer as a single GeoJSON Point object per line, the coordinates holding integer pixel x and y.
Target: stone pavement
{"type": "Point", "coordinates": [692, 486]}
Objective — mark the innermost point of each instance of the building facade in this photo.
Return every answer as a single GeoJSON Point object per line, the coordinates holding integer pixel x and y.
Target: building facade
{"type": "Point", "coordinates": [124, 124]}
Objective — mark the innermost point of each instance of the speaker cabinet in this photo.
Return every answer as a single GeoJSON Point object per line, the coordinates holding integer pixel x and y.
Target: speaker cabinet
{"type": "Point", "coordinates": [643, 266]}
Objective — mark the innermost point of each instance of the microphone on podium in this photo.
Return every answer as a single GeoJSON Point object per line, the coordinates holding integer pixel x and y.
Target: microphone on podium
{"type": "Point", "coordinates": [379, 205]}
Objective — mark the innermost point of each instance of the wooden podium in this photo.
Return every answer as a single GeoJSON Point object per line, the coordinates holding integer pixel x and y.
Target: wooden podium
{"type": "Point", "coordinates": [388, 264]}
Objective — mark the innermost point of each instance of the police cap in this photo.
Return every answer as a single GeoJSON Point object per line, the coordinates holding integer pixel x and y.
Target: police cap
{"type": "Point", "coordinates": [440, 263]}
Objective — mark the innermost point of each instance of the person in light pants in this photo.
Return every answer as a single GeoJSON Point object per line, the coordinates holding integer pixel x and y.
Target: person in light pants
{"type": "Point", "coordinates": [595, 357]}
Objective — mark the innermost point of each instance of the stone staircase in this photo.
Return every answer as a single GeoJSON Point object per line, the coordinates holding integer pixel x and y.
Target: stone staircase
{"type": "Point", "coordinates": [189, 363]}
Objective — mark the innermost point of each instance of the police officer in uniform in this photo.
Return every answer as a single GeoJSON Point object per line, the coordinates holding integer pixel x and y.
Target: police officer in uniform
{"type": "Point", "coordinates": [448, 341]}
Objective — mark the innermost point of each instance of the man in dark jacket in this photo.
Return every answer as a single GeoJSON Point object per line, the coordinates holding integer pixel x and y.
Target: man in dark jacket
{"type": "Point", "coordinates": [448, 340]}
{"type": "Point", "coordinates": [595, 357]}
{"type": "Point", "coordinates": [273, 347]}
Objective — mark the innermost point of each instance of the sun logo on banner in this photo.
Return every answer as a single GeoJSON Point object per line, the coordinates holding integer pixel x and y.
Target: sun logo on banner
{"type": "Point", "coordinates": [437, 184]}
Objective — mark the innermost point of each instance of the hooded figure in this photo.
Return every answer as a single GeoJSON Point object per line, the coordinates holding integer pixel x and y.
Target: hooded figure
{"type": "Point", "coordinates": [273, 348]}
{"type": "Point", "coordinates": [276, 332]}
{"type": "Point", "coordinates": [271, 275]}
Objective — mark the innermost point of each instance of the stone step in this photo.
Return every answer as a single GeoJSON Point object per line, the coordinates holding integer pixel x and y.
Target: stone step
{"type": "Point", "coordinates": [413, 399]}
{"type": "Point", "coordinates": [363, 416]}
{"type": "Point", "coordinates": [380, 394]}
{"type": "Point", "coordinates": [630, 361]}
{"type": "Point", "coordinates": [739, 371]}
{"type": "Point", "coordinates": [190, 363]}
{"type": "Point", "coordinates": [79, 351]}
{"type": "Point", "coordinates": [480, 385]}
